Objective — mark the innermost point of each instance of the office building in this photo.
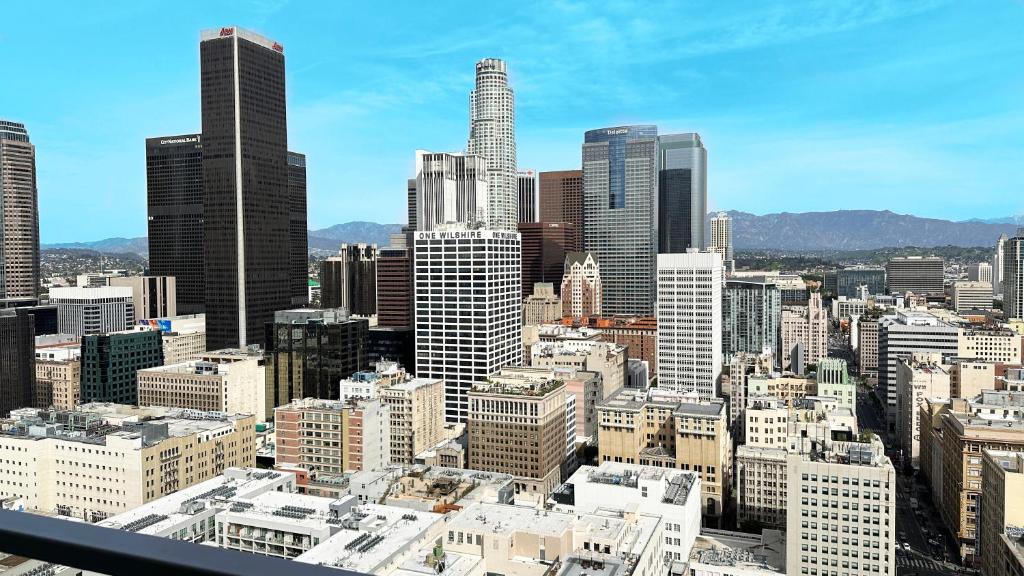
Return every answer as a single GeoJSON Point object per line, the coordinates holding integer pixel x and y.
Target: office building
{"type": "Point", "coordinates": [83, 311]}
{"type": "Point", "coordinates": [542, 307]}
{"type": "Point", "coordinates": [309, 351]}
{"type": "Point", "coordinates": [331, 436]}
{"type": "Point", "coordinates": [846, 281]}
{"type": "Point", "coordinates": [416, 407]}
{"type": "Point", "coordinates": [1001, 513]}
{"type": "Point", "coordinates": [412, 203]}
{"type": "Point", "coordinates": [666, 429]}
{"type": "Point", "coordinates": [844, 308]}
{"type": "Point", "coordinates": [592, 371]}
{"type": "Point", "coordinates": [902, 334]}
{"type": "Point", "coordinates": [110, 363]}
{"type": "Point", "coordinates": [17, 362]}
{"type": "Point", "coordinates": [529, 196]}
{"type": "Point", "coordinates": [349, 280]}
{"type": "Point", "coordinates": [229, 381]}
{"type": "Point", "coordinates": [184, 337]}
{"type": "Point", "coordinates": [751, 309]}
{"type": "Point", "coordinates": [922, 275]}
{"type": "Point", "coordinates": [980, 272]}
{"type": "Point", "coordinates": [834, 382]}
{"type": "Point", "coordinates": [44, 318]}
{"type": "Point", "coordinates": [690, 322]}
{"type": "Point", "coordinates": [721, 237]}
{"type": "Point", "coordinates": [19, 204]}
{"type": "Point", "coordinates": [545, 247]}
{"type": "Point", "coordinates": [527, 403]}
{"type": "Point", "coordinates": [174, 200]}
{"type": "Point", "coordinates": [391, 343]}
{"type": "Point", "coordinates": [298, 242]}
{"type": "Point", "coordinates": [867, 346]}
{"type": "Point", "coordinates": [806, 326]}
{"type": "Point", "coordinates": [682, 192]}
{"type": "Point", "coordinates": [247, 223]}
{"type": "Point", "coordinates": [998, 257]}
{"type": "Point", "coordinates": [1013, 276]}
{"type": "Point", "coordinates": [918, 377]}
{"type": "Point", "coordinates": [581, 285]}
{"type": "Point", "coordinates": [969, 377]}
{"type": "Point", "coordinates": [674, 495]}
{"type": "Point", "coordinates": [561, 197]}
{"type": "Point", "coordinates": [859, 479]}
{"type": "Point", "coordinates": [58, 383]}
{"type": "Point", "coordinates": [468, 308]}
{"type": "Point", "coordinates": [620, 183]}
{"type": "Point", "coordinates": [492, 137]}
{"type": "Point", "coordinates": [451, 188]}
{"type": "Point", "coordinates": [990, 345]}
{"type": "Point", "coordinates": [105, 459]}
{"type": "Point", "coordinates": [395, 284]}
{"type": "Point", "coordinates": [969, 296]}
{"type": "Point", "coordinates": [639, 334]}
{"type": "Point", "coordinates": [152, 296]}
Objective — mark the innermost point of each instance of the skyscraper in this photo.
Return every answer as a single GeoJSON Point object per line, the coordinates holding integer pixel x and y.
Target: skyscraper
{"type": "Point", "coordinates": [247, 222]}
{"type": "Point", "coordinates": [492, 136]}
{"type": "Point", "coordinates": [468, 308]}
{"type": "Point", "coordinates": [17, 361]}
{"type": "Point", "coordinates": [806, 326]}
{"type": "Point", "coordinates": [19, 217]}
{"type": "Point", "coordinates": [529, 199]}
{"type": "Point", "coordinates": [394, 284]}
{"type": "Point", "coordinates": [690, 322]}
{"type": "Point", "coordinates": [620, 182]}
{"type": "Point", "coordinates": [561, 197]}
{"type": "Point", "coordinates": [298, 242]}
{"type": "Point", "coordinates": [174, 198]}
{"type": "Point", "coordinates": [721, 237]}
{"type": "Point", "coordinates": [451, 188]}
{"type": "Point", "coordinates": [545, 245]}
{"type": "Point", "coordinates": [682, 192]}
{"type": "Point", "coordinates": [411, 204]}
{"type": "Point", "coordinates": [1013, 276]}
{"type": "Point", "coordinates": [997, 265]}
{"type": "Point", "coordinates": [751, 308]}
{"type": "Point", "coordinates": [110, 364]}
{"type": "Point", "coordinates": [349, 280]}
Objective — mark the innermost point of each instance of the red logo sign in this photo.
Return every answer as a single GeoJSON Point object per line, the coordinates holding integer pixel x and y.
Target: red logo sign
{"type": "Point", "coordinates": [278, 48]}
{"type": "Point", "coordinates": [227, 31]}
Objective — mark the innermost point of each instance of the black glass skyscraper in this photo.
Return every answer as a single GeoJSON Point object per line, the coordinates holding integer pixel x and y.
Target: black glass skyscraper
{"type": "Point", "coordinates": [248, 260]}
{"type": "Point", "coordinates": [297, 234]}
{"type": "Point", "coordinates": [174, 186]}
{"type": "Point", "coordinates": [682, 192]}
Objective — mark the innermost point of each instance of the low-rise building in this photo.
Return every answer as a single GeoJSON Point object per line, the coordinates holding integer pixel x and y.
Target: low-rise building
{"type": "Point", "coordinates": [543, 306]}
{"type": "Point", "coordinates": [972, 296]}
{"type": "Point", "coordinates": [722, 553]}
{"type": "Point", "coordinates": [184, 337]}
{"type": "Point", "coordinates": [230, 381]}
{"type": "Point", "coordinates": [968, 377]}
{"type": "Point", "coordinates": [991, 345]}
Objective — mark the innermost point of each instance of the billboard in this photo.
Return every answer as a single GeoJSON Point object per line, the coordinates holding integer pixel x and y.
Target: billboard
{"type": "Point", "coordinates": [160, 324]}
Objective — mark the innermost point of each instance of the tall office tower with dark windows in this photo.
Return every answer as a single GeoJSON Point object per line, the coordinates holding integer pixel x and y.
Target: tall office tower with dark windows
{"type": "Point", "coordinates": [297, 235]}
{"type": "Point", "coordinates": [110, 363]}
{"type": "Point", "coordinates": [247, 246]}
{"type": "Point", "coordinates": [682, 192]}
{"type": "Point", "coordinates": [922, 275]}
{"type": "Point", "coordinates": [1013, 276]}
{"type": "Point", "coordinates": [545, 246]}
{"type": "Point", "coordinates": [394, 284]}
{"type": "Point", "coordinates": [19, 218]}
{"type": "Point", "coordinates": [529, 199]}
{"type": "Point", "coordinates": [561, 197]}
{"type": "Point", "coordinates": [751, 309]}
{"type": "Point", "coordinates": [349, 280]}
{"type": "Point", "coordinates": [620, 183]}
{"type": "Point", "coordinates": [492, 136]}
{"type": "Point", "coordinates": [174, 198]}
{"type": "Point", "coordinates": [309, 352]}
{"type": "Point", "coordinates": [846, 281]}
{"type": "Point", "coordinates": [17, 361]}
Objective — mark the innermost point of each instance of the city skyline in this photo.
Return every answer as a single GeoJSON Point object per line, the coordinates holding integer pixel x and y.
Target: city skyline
{"type": "Point", "coordinates": [865, 106]}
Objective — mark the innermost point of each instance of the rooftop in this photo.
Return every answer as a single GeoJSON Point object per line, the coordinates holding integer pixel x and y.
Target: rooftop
{"type": "Point", "coordinates": [752, 553]}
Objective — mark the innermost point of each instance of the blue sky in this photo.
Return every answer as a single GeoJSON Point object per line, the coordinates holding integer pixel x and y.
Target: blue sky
{"type": "Point", "coordinates": [916, 107]}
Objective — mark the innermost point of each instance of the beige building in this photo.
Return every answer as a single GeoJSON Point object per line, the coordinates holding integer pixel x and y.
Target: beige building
{"type": "Point", "coordinates": [805, 325]}
{"type": "Point", "coordinates": [581, 285]}
{"type": "Point", "coordinates": [918, 377]}
{"type": "Point", "coordinates": [761, 486]}
{"type": "Point", "coordinates": [998, 345]}
{"type": "Point", "coordinates": [786, 387]}
{"type": "Point", "coordinates": [58, 383]}
{"type": "Point", "coordinates": [542, 306]}
{"type": "Point", "coordinates": [331, 437]}
{"type": "Point", "coordinates": [153, 296]}
{"type": "Point", "coordinates": [517, 425]}
{"type": "Point", "coordinates": [867, 346]}
{"type": "Point", "coordinates": [841, 510]}
{"type": "Point", "coordinates": [231, 381]}
{"type": "Point", "coordinates": [968, 377]}
{"type": "Point", "coordinates": [105, 459]}
{"type": "Point", "coordinates": [1001, 525]}
{"type": "Point", "coordinates": [183, 337]}
{"type": "Point", "coordinates": [416, 408]}
{"type": "Point", "coordinates": [972, 296]}
{"type": "Point", "coordinates": [670, 430]}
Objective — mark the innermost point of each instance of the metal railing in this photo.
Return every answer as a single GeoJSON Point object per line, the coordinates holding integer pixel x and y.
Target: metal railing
{"type": "Point", "coordinates": [119, 553]}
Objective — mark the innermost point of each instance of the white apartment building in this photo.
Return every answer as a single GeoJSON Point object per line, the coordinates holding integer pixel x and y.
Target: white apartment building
{"type": "Point", "coordinates": [689, 315]}
{"type": "Point", "coordinates": [98, 310]}
{"type": "Point", "coordinates": [918, 377]}
{"type": "Point", "coordinates": [231, 381]}
{"type": "Point", "coordinates": [468, 307]}
{"type": "Point", "coordinates": [841, 510]}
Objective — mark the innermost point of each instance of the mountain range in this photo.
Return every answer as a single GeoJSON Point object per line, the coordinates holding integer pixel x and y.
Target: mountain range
{"type": "Point", "coordinates": [809, 231]}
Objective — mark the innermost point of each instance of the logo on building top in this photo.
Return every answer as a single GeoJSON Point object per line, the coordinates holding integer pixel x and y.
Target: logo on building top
{"type": "Point", "coordinates": [227, 32]}
{"type": "Point", "coordinates": [278, 48]}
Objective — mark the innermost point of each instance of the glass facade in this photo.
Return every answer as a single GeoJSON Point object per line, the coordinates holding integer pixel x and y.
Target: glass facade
{"type": "Point", "coordinates": [682, 192]}
{"type": "Point", "coordinates": [616, 139]}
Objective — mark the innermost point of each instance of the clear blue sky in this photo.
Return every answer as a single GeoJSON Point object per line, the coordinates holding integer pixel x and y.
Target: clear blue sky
{"type": "Point", "coordinates": [913, 106]}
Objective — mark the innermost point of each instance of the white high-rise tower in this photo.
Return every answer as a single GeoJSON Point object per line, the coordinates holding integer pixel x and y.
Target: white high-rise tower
{"type": "Point", "coordinates": [492, 135]}
{"type": "Point", "coordinates": [721, 237]}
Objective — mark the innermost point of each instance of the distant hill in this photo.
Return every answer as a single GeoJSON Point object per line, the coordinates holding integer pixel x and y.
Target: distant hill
{"type": "Point", "coordinates": [326, 239]}
{"type": "Point", "coordinates": [857, 230]}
